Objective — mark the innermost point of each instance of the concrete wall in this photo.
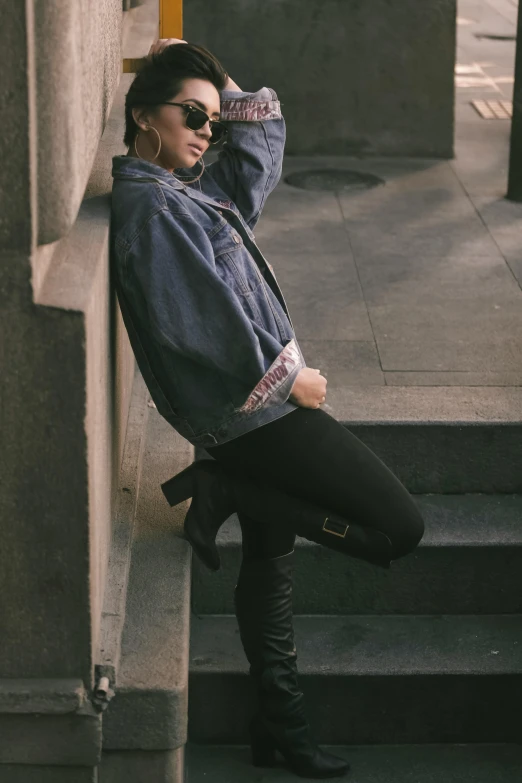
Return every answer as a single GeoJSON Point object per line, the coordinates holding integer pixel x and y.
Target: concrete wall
{"type": "Point", "coordinates": [77, 53]}
{"type": "Point", "coordinates": [354, 76]}
{"type": "Point", "coordinates": [67, 368]}
{"type": "Point", "coordinates": [57, 437]}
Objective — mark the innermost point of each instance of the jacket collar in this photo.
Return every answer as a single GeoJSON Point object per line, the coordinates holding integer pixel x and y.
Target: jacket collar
{"type": "Point", "coordinates": [127, 167]}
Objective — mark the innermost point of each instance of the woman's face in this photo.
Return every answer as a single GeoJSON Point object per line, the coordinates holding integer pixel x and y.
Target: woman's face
{"type": "Point", "coordinates": [176, 139]}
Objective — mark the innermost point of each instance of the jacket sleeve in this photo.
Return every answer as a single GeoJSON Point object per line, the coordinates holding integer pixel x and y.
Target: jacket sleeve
{"type": "Point", "coordinates": [249, 165]}
{"type": "Point", "coordinates": [171, 282]}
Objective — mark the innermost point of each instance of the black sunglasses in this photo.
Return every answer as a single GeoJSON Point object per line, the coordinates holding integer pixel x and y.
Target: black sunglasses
{"type": "Point", "coordinates": [196, 118]}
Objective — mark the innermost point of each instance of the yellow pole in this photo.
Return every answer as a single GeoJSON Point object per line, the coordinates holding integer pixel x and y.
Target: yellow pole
{"type": "Point", "coordinates": [170, 26]}
{"type": "Point", "coordinates": [171, 18]}
{"type": "Point", "coordinates": [132, 64]}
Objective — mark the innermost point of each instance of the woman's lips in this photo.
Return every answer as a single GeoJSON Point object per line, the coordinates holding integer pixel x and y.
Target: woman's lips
{"type": "Point", "coordinates": [195, 149]}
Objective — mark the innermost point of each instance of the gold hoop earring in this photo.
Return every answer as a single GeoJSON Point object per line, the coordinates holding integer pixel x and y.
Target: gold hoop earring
{"type": "Point", "coordinates": [150, 127]}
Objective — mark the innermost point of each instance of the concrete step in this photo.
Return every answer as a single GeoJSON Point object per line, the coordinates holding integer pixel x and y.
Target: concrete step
{"type": "Point", "coordinates": [145, 724]}
{"type": "Point", "coordinates": [372, 679]}
{"type": "Point", "coordinates": [487, 763]}
{"type": "Point", "coordinates": [469, 562]}
{"type": "Point", "coordinates": [448, 440]}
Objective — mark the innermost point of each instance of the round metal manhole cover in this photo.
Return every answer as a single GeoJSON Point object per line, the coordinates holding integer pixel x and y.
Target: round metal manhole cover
{"type": "Point", "coordinates": [333, 179]}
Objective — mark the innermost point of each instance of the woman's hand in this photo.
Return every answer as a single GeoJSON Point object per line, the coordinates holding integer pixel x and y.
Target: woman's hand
{"type": "Point", "coordinates": [159, 45]}
{"type": "Point", "coordinates": [309, 389]}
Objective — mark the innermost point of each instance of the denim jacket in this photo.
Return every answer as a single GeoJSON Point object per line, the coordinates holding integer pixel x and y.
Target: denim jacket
{"type": "Point", "coordinates": [205, 316]}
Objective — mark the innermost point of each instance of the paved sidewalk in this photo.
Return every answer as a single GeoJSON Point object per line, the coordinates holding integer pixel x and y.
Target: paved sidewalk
{"type": "Point", "coordinates": [416, 282]}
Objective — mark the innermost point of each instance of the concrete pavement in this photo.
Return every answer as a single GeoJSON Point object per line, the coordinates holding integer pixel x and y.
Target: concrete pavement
{"type": "Point", "coordinates": [416, 282]}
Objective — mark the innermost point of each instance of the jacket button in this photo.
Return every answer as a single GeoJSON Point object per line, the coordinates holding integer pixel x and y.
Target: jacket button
{"type": "Point", "coordinates": [219, 212]}
{"type": "Point", "coordinates": [237, 239]}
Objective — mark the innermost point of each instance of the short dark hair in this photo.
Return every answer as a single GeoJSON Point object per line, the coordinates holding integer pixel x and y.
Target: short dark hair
{"type": "Point", "coordinates": [161, 78]}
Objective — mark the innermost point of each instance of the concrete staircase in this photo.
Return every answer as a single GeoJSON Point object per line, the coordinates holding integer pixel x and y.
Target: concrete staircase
{"type": "Point", "coordinates": [415, 672]}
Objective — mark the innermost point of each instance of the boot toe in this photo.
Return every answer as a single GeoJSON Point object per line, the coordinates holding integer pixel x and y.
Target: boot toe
{"type": "Point", "coordinates": [317, 765]}
{"type": "Point", "coordinates": [334, 764]}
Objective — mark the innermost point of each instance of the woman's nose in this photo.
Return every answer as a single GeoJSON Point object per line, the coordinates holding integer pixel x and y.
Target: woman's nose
{"type": "Point", "coordinates": [205, 131]}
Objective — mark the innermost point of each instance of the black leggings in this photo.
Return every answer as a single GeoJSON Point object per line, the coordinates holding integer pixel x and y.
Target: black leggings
{"type": "Point", "coordinates": [310, 455]}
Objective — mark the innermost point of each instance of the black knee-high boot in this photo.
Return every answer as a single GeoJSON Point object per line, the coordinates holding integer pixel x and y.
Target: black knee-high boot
{"type": "Point", "coordinates": [263, 605]}
{"type": "Point", "coordinates": [217, 493]}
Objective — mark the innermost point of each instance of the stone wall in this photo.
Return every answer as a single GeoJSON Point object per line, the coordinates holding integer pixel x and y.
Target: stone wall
{"type": "Point", "coordinates": [67, 372]}
{"type": "Point", "coordinates": [56, 421]}
{"type": "Point", "coordinates": [78, 62]}
{"type": "Point", "coordinates": [354, 77]}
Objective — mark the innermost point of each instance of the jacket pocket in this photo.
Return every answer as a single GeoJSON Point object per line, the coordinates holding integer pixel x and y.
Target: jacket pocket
{"type": "Point", "coordinates": [234, 264]}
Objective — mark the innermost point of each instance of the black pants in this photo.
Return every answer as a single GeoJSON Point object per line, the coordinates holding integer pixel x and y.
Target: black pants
{"type": "Point", "coordinates": [310, 455]}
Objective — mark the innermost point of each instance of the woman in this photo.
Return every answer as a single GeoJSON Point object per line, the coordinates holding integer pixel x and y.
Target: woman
{"type": "Point", "coordinates": [215, 344]}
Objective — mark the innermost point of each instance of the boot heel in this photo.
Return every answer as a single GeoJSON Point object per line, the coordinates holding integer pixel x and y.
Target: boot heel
{"type": "Point", "coordinates": [179, 487]}
{"type": "Point", "coordinates": [263, 751]}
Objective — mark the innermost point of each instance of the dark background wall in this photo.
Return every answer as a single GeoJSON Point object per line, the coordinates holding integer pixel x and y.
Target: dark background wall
{"type": "Point", "coordinates": [354, 76]}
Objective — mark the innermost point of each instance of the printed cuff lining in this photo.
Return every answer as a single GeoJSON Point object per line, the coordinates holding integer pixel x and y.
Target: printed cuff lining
{"type": "Point", "coordinates": [274, 378]}
{"type": "Point", "coordinates": [245, 110]}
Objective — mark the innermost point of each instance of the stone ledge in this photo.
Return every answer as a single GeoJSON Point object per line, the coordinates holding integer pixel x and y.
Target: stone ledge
{"type": "Point", "coordinates": [149, 709]}
{"type": "Point", "coordinates": [138, 766]}
{"type": "Point", "coordinates": [73, 739]}
{"type": "Point", "coordinates": [146, 719]}
{"type": "Point", "coordinates": [113, 614]}
{"type": "Point", "coordinates": [23, 773]}
{"type": "Point", "coordinates": [74, 268]}
{"type": "Point", "coordinates": [50, 697]}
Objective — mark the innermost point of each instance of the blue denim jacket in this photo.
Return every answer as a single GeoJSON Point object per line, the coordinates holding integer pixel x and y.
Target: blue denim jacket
{"type": "Point", "coordinates": [205, 316]}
